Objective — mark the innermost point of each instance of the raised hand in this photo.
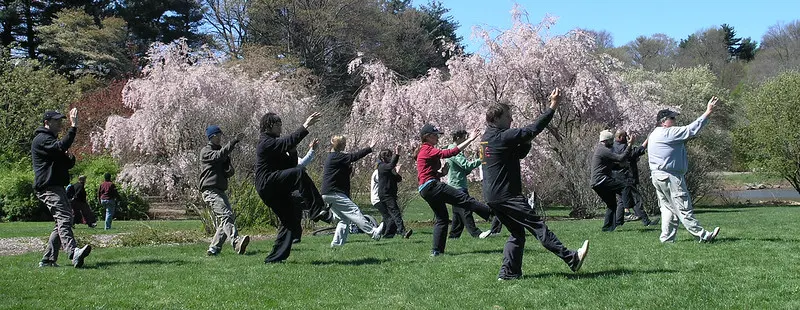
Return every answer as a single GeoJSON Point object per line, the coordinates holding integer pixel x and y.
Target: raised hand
{"type": "Point", "coordinates": [711, 103]}
{"type": "Point", "coordinates": [312, 119]}
{"type": "Point", "coordinates": [372, 143]}
{"type": "Point", "coordinates": [73, 117]}
{"type": "Point", "coordinates": [313, 145]}
{"type": "Point", "coordinates": [398, 149]}
{"type": "Point", "coordinates": [555, 98]}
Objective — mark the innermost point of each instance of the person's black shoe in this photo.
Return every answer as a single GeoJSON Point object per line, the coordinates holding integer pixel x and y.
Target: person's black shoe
{"type": "Point", "coordinates": [653, 222]}
{"type": "Point", "coordinates": [325, 216]}
{"type": "Point", "coordinates": [435, 253]}
{"type": "Point", "coordinates": [408, 233]}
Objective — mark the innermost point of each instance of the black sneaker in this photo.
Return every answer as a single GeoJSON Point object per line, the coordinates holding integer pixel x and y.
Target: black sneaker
{"type": "Point", "coordinates": [408, 233]}
{"type": "Point", "coordinates": [80, 254]}
{"type": "Point", "coordinates": [325, 216]}
{"type": "Point", "coordinates": [43, 264]}
{"type": "Point", "coordinates": [435, 253]}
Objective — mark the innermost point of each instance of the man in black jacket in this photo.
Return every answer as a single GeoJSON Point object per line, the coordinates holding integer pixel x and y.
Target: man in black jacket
{"type": "Point", "coordinates": [502, 148]}
{"type": "Point", "coordinates": [627, 172]}
{"type": "Point", "coordinates": [277, 176]}
{"type": "Point", "coordinates": [215, 169]}
{"type": "Point", "coordinates": [80, 207]}
{"type": "Point", "coordinates": [603, 183]}
{"type": "Point", "coordinates": [51, 164]}
{"type": "Point", "coordinates": [387, 193]}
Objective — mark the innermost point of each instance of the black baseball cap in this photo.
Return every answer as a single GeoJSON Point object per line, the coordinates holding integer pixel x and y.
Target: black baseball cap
{"type": "Point", "coordinates": [52, 115]}
{"type": "Point", "coordinates": [665, 113]}
{"type": "Point", "coordinates": [428, 128]}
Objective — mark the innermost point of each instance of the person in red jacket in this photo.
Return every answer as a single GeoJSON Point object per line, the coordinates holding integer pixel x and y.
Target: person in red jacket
{"type": "Point", "coordinates": [438, 194]}
{"type": "Point", "coordinates": [108, 195]}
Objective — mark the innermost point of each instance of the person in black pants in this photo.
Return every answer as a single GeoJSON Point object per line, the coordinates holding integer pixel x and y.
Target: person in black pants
{"type": "Point", "coordinates": [438, 194]}
{"type": "Point", "coordinates": [627, 172]}
{"type": "Point", "coordinates": [277, 176]}
{"type": "Point", "coordinates": [387, 193]}
{"type": "Point", "coordinates": [502, 148]}
{"type": "Point", "coordinates": [604, 184]}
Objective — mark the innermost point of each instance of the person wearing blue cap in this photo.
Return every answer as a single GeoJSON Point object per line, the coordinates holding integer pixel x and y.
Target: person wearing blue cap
{"type": "Point", "coordinates": [51, 164]}
{"type": "Point", "coordinates": [216, 168]}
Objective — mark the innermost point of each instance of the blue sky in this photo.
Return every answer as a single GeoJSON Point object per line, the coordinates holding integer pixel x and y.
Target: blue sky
{"type": "Point", "coordinates": [627, 19]}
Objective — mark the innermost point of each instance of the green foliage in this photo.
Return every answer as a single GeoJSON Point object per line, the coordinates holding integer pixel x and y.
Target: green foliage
{"type": "Point", "coordinates": [78, 46]}
{"type": "Point", "coordinates": [771, 139]}
{"type": "Point", "coordinates": [17, 199]}
{"type": "Point", "coordinates": [131, 205]}
{"type": "Point", "coordinates": [247, 205]}
{"type": "Point", "coordinates": [27, 89]}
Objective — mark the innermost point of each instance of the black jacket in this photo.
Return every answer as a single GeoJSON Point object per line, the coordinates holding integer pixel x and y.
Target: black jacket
{"type": "Point", "coordinates": [388, 178]}
{"type": "Point", "coordinates": [275, 153]}
{"type": "Point", "coordinates": [215, 165]}
{"type": "Point", "coordinates": [51, 163]}
{"type": "Point", "coordinates": [628, 171]}
{"type": "Point", "coordinates": [78, 192]}
{"type": "Point", "coordinates": [501, 151]}
{"type": "Point", "coordinates": [336, 173]}
{"type": "Point", "coordinates": [603, 160]}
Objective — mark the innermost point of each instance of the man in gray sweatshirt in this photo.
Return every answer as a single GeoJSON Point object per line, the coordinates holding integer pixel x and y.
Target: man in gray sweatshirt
{"type": "Point", "coordinates": [666, 150]}
{"type": "Point", "coordinates": [216, 168]}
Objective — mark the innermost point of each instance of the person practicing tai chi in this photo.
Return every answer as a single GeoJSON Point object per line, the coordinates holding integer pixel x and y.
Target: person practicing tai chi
{"type": "Point", "coordinates": [51, 164]}
{"type": "Point", "coordinates": [604, 184]}
{"type": "Point", "coordinates": [666, 154]}
{"type": "Point", "coordinates": [384, 197]}
{"type": "Point", "coordinates": [627, 172]}
{"type": "Point", "coordinates": [502, 148]}
{"type": "Point", "coordinates": [76, 193]}
{"type": "Point", "coordinates": [215, 169]}
{"type": "Point", "coordinates": [336, 191]}
{"type": "Point", "coordinates": [460, 167]}
{"type": "Point", "coordinates": [439, 194]}
{"type": "Point", "coordinates": [277, 176]}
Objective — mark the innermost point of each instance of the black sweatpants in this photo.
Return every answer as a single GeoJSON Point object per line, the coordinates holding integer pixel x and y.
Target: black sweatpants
{"type": "Point", "coordinates": [438, 195]}
{"type": "Point", "coordinates": [631, 198]}
{"type": "Point", "coordinates": [463, 218]}
{"type": "Point", "coordinates": [392, 217]}
{"type": "Point", "coordinates": [615, 213]}
{"type": "Point", "coordinates": [276, 193]}
{"type": "Point", "coordinates": [517, 215]}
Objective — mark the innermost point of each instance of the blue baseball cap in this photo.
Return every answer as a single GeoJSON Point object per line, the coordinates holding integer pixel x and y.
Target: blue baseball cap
{"type": "Point", "coordinates": [212, 130]}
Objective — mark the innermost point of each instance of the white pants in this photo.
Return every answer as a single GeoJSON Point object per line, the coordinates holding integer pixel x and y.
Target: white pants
{"type": "Point", "coordinates": [675, 204]}
{"type": "Point", "coordinates": [348, 212]}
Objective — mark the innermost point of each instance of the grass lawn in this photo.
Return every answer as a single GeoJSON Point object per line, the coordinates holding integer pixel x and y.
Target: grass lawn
{"type": "Point", "coordinates": [753, 265]}
{"type": "Point", "coordinates": [42, 229]}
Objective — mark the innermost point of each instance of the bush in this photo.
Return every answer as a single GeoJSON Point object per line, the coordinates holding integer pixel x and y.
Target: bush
{"type": "Point", "coordinates": [17, 199]}
{"type": "Point", "coordinates": [131, 205]}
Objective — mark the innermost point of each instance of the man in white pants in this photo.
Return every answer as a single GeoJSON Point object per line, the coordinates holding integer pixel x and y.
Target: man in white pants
{"type": "Point", "coordinates": [666, 149]}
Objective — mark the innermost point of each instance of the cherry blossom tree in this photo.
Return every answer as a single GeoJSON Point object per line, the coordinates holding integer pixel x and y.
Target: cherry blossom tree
{"type": "Point", "coordinates": [519, 66]}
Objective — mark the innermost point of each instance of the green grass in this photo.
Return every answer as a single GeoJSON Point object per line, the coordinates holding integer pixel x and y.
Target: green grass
{"type": "Point", "coordinates": [753, 265]}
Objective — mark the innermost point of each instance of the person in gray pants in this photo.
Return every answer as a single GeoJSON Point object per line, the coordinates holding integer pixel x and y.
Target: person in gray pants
{"type": "Point", "coordinates": [51, 164]}
{"type": "Point", "coordinates": [216, 168]}
{"type": "Point", "coordinates": [666, 155]}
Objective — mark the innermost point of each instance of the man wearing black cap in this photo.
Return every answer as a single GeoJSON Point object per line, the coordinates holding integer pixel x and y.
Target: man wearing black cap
{"type": "Point", "coordinates": [666, 150]}
{"type": "Point", "coordinates": [216, 168]}
{"type": "Point", "coordinates": [51, 164]}
{"type": "Point", "coordinates": [502, 148]}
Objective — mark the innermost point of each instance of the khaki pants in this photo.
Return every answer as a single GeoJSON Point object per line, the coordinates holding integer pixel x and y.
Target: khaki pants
{"type": "Point", "coordinates": [675, 205]}
{"type": "Point", "coordinates": [218, 201]}
{"type": "Point", "coordinates": [55, 198]}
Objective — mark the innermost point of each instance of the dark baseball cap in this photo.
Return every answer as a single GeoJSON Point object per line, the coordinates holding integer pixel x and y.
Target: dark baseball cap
{"type": "Point", "coordinates": [665, 113]}
{"type": "Point", "coordinates": [428, 128]}
{"type": "Point", "coordinates": [52, 115]}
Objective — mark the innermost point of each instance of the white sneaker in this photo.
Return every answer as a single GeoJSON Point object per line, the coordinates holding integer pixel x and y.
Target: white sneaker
{"type": "Point", "coordinates": [713, 235]}
{"type": "Point", "coordinates": [581, 256]}
{"type": "Point", "coordinates": [377, 232]}
{"type": "Point", "coordinates": [487, 234]}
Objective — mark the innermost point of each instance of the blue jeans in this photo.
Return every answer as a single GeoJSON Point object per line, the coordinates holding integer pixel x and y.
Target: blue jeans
{"type": "Point", "coordinates": [111, 207]}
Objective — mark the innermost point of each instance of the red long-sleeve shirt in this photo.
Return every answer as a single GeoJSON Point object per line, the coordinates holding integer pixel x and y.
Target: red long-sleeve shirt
{"type": "Point", "coordinates": [428, 161]}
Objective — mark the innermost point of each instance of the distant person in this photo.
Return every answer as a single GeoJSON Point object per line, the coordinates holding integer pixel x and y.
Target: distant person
{"type": "Point", "coordinates": [80, 206]}
{"type": "Point", "coordinates": [215, 169]}
{"type": "Point", "coordinates": [336, 191]}
{"type": "Point", "coordinates": [438, 194]}
{"type": "Point", "coordinates": [602, 181]}
{"type": "Point", "coordinates": [51, 164]}
{"type": "Point", "coordinates": [627, 172]}
{"type": "Point", "coordinates": [109, 197]}
{"type": "Point", "coordinates": [460, 167]}
{"type": "Point", "coordinates": [502, 148]}
{"type": "Point", "coordinates": [666, 150]}
{"type": "Point", "coordinates": [277, 176]}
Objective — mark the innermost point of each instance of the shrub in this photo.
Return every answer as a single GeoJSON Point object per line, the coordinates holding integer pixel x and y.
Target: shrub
{"type": "Point", "coordinates": [131, 205]}
{"type": "Point", "coordinates": [17, 199]}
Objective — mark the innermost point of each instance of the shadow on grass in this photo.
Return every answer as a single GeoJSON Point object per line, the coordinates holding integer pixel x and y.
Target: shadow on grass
{"type": "Point", "coordinates": [701, 211]}
{"type": "Point", "coordinates": [599, 274]}
{"type": "Point", "coordinates": [492, 251]}
{"type": "Point", "coordinates": [355, 262]}
{"type": "Point", "coordinates": [772, 239]}
{"type": "Point", "coordinates": [106, 264]}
